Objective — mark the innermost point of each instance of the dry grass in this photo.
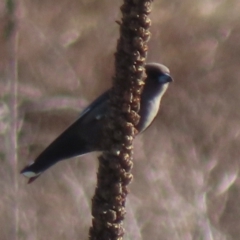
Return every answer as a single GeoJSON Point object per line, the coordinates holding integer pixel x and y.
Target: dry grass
{"type": "Point", "coordinates": [186, 183]}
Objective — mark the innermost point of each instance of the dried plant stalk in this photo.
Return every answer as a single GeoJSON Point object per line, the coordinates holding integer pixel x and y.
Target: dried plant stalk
{"type": "Point", "coordinates": [114, 173]}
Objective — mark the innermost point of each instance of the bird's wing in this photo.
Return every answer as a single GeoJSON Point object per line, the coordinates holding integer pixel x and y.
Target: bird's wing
{"type": "Point", "coordinates": [97, 102]}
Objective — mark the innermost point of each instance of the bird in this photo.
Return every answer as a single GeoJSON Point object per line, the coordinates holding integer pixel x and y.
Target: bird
{"type": "Point", "coordinates": [86, 133]}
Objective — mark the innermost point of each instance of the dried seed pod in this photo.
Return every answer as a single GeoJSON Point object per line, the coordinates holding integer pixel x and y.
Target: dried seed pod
{"type": "Point", "coordinates": [147, 7]}
{"type": "Point", "coordinates": [127, 178]}
{"type": "Point", "coordinates": [145, 21]}
{"type": "Point", "coordinates": [126, 108]}
{"type": "Point", "coordinates": [138, 43]}
{"type": "Point", "coordinates": [110, 215]}
{"type": "Point", "coordinates": [128, 140]}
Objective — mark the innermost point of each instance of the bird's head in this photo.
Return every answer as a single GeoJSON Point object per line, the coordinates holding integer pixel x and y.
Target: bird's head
{"type": "Point", "coordinates": [158, 78]}
{"type": "Point", "coordinates": [158, 72]}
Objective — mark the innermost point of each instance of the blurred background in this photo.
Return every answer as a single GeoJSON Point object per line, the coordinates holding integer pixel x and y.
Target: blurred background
{"type": "Point", "coordinates": [186, 168]}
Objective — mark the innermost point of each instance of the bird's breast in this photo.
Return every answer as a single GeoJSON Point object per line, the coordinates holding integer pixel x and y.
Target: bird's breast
{"type": "Point", "coordinates": [150, 107]}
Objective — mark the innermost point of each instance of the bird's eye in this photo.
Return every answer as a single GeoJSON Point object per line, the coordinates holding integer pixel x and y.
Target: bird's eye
{"type": "Point", "coordinates": [164, 78]}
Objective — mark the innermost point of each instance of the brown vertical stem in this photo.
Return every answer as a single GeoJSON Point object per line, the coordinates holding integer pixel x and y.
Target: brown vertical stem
{"type": "Point", "coordinates": [114, 173]}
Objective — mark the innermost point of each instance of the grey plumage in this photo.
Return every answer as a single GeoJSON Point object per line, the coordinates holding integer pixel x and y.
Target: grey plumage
{"type": "Point", "coordinates": [86, 133]}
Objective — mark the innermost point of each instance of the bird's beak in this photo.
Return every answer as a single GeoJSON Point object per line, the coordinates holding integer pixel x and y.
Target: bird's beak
{"type": "Point", "coordinates": [170, 79]}
{"type": "Point", "coordinates": [166, 78]}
